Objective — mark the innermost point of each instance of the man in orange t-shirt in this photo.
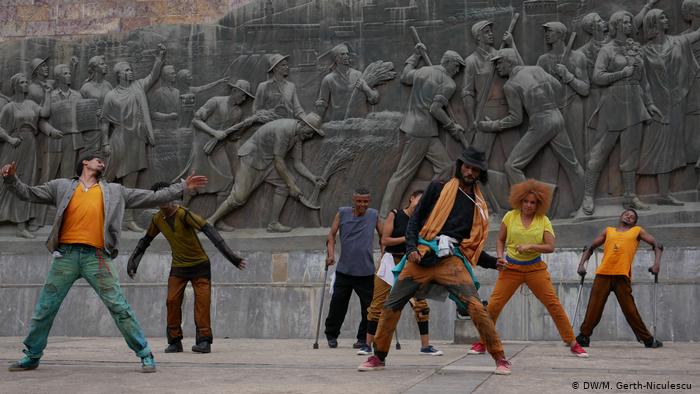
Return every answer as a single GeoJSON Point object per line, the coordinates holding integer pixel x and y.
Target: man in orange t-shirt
{"type": "Point", "coordinates": [83, 241]}
{"type": "Point", "coordinates": [614, 274]}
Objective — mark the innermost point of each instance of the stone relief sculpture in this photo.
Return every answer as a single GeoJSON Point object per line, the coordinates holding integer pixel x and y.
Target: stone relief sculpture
{"type": "Point", "coordinates": [569, 67]}
{"type": "Point", "coordinates": [611, 85]}
{"type": "Point", "coordinates": [338, 88]}
{"type": "Point", "coordinates": [127, 119]}
{"type": "Point", "coordinates": [40, 79]}
{"type": "Point", "coordinates": [624, 106]}
{"type": "Point", "coordinates": [218, 118]}
{"type": "Point", "coordinates": [164, 101]}
{"type": "Point", "coordinates": [188, 95]}
{"type": "Point", "coordinates": [277, 94]}
{"type": "Point", "coordinates": [671, 69]}
{"type": "Point", "coordinates": [62, 153]}
{"type": "Point", "coordinates": [96, 88]}
{"type": "Point", "coordinates": [431, 90]}
{"type": "Point", "coordinates": [478, 71]}
{"type": "Point", "coordinates": [691, 123]}
{"type": "Point", "coordinates": [597, 29]}
{"type": "Point", "coordinates": [19, 124]}
{"type": "Point", "coordinates": [537, 92]}
{"type": "Point", "coordinates": [263, 160]}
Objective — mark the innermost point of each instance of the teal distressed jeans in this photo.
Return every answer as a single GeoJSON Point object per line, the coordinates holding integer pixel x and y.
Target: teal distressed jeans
{"type": "Point", "coordinates": [81, 261]}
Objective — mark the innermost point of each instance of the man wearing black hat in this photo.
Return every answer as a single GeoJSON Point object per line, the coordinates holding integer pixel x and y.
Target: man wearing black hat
{"type": "Point", "coordinates": [83, 241]}
{"type": "Point", "coordinates": [445, 238]}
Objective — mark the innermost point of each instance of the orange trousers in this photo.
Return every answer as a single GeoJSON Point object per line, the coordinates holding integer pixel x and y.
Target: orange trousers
{"type": "Point", "coordinates": [449, 273]}
{"type": "Point", "coordinates": [540, 283]}
{"type": "Point", "coordinates": [202, 303]}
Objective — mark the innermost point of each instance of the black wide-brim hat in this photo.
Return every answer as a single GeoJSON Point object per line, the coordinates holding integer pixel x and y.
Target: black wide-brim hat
{"type": "Point", "coordinates": [474, 157]}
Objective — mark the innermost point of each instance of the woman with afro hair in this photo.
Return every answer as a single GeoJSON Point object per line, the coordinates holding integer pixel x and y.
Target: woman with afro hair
{"type": "Point", "coordinates": [525, 234]}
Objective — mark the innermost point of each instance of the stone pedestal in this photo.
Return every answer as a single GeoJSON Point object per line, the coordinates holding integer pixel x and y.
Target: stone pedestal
{"type": "Point", "coordinates": [465, 332]}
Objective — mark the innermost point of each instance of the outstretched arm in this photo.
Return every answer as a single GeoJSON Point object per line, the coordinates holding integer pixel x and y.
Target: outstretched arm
{"type": "Point", "coordinates": [42, 194]}
{"type": "Point", "coordinates": [221, 245]}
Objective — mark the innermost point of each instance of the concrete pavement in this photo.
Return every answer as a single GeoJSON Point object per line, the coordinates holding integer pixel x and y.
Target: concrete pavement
{"type": "Point", "coordinates": [106, 365]}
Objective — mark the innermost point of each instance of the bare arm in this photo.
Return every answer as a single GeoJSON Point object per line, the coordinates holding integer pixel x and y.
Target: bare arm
{"type": "Point", "coordinates": [386, 238]}
{"type": "Point", "coordinates": [151, 79]}
{"type": "Point", "coordinates": [599, 240]}
{"type": "Point", "coordinates": [501, 241]}
{"type": "Point", "coordinates": [330, 240]}
{"type": "Point", "coordinates": [199, 89]}
{"type": "Point", "coordinates": [283, 172]}
{"type": "Point", "coordinates": [658, 249]}
{"type": "Point", "coordinates": [409, 70]}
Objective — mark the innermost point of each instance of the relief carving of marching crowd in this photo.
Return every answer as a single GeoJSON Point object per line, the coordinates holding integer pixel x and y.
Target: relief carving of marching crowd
{"type": "Point", "coordinates": [631, 84]}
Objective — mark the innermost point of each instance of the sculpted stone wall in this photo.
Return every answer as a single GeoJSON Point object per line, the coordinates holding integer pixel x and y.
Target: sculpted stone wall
{"type": "Point", "coordinates": [288, 105]}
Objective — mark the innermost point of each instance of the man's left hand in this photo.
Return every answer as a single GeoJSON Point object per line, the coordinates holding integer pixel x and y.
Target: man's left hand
{"type": "Point", "coordinates": [320, 182]}
{"type": "Point", "coordinates": [194, 182]}
{"type": "Point", "coordinates": [241, 266]}
{"type": "Point", "coordinates": [654, 269]}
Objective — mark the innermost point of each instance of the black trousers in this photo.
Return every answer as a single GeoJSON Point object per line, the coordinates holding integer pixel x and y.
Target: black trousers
{"type": "Point", "coordinates": [342, 291]}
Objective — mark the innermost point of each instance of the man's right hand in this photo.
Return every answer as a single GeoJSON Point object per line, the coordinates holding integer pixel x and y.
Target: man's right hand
{"type": "Point", "coordinates": [628, 71]}
{"type": "Point", "coordinates": [414, 257]}
{"type": "Point", "coordinates": [581, 269]}
{"type": "Point", "coordinates": [14, 141]}
{"type": "Point", "coordinates": [419, 49]}
{"type": "Point", "coordinates": [9, 169]}
{"type": "Point", "coordinates": [131, 267]}
{"type": "Point", "coordinates": [295, 192]}
{"type": "Point", "coordinates": [330, 260]}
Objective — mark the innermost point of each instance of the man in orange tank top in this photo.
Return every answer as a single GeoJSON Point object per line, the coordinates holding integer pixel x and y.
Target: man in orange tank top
{"type": "Point", "coordinates": [614, 274]}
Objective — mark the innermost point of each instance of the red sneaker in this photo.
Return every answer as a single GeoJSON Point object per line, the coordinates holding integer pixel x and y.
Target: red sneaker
{"type": "Point", "coordinates": [373, 363]}
{"type": "Point", "coordinates": [477, 348]}
{"type": "Point", "coordinates": [578, 351]}
{"type": "Point", "coordinates": [502, 367]}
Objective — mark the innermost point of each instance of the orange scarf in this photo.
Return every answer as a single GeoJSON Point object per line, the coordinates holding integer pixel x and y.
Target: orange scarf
{"type": "Point", "coordinates": [470, 247]}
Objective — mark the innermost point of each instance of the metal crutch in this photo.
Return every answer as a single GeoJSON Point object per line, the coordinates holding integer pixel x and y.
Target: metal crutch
{"type": "Point", "coordinates": [320, 307]}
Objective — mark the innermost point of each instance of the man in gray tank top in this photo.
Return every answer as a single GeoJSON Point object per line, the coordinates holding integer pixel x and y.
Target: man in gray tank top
{"type": "Point", "coordinates": [355, 269]}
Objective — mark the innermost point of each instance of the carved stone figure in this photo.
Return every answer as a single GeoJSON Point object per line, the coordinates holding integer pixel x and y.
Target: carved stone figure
{"type": "Point", "coordinates": [338, 86]}
{"type": "Point", "coordinates": [431, 90]}
{"type": "Point", "coordinates": [96, 87]}
{"type": "Point", "coordinates": [278, 94]}
{"type": "Point", "coordinates": [625, 104]}
{"type": "Point", "coordinates": [19, 120]}
{"type": "Point", "coordinates": [531, 88]}
{"type": "Point", "coordinates": [62, 154]}
{"type": "Point", "coordinates": [573, 76]}
{"type": "Point", "coordinates": [188, 93]}
{"type": "Point", "coordinates": [671, 69]}
{"type": "Point", "coordinates": [263, 160]}
{"type": "Point", "coordinates": [691, 13]}
{"type": "Point", "coordinates": [218, 118]}
{"type": "Point", "coordinates": [40, 79]}
{"type": "Point", "coordinates": [477, 71]}
{"type": "Point", "coordinates": [126, 114]}
{"type": "Point", "coordinates": [596, 27]}
{"type": "Point", "coordinates": [164, 102]}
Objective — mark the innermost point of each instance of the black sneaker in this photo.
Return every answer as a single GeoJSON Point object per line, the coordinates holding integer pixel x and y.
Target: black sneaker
{"type": "Point", "coordinates": [359, 344]}
{"type": "Point", "coordinates": [174, 347]}
{"type": "Point", "coordinates": [654, 343]}
{"type": "Point", "coordinates": [583, 340]}
{"type": "Point", "coordinates": [202, 347]}
{"type": "Point", "coordinates": [332, 343]}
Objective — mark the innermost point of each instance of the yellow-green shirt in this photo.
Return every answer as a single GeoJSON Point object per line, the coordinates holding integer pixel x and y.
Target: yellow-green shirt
{"type": "Point", "coordinates": [519, 235]}
{"type": "Point", "coordinates": [186, 249]}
